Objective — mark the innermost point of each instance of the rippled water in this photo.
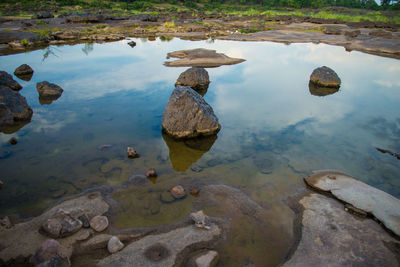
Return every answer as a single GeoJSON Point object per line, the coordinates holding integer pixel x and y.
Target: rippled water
{"type": "Point", "coordinates": [275, 130]}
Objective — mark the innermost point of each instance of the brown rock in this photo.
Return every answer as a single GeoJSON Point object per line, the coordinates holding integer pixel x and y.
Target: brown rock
{"type": "Point", "coordinates": [99, 223]}
{"type": "Point", "coordinates": [24, 72]}
{"type": "Point", "coordinates": [8, 81]}
{"type": "Point", "coordinates": [132, 153]}
{"type": "Point", "coordinates": [196, 78]}
{"type": "Point", "coordinates": [48, 90]}
{"type": "Point", "coordinates": [194, 191]}
{"type": "Point", "coordinates": [178, 192]}
{"type": "Point", "coordinates": [151, 173]}
{"type": "Point", "coordinates": [13, 140]}
{"type": "Point", "coordinates": [325, 76]}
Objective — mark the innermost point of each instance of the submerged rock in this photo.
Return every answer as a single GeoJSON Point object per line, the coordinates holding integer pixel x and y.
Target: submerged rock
{"type": "Point", "coordinates": [13, 141]}
{"type": "Point", "coordinates": [318, 90]}
{"type": "Point", "coordinates": [332, 235]}
{"type": "Point", "coordinates": [49, 91]}
{"type": "Point", "coordinates": [195, 78]}
{"type": "Point", "coordinates": [13, 108]}
{"type": "Point", "coordinates": [188, 115]}
{"type": "Point", "coordinates": [200, 219]}
{"type": "Point", "coordinates": [200, 57]}
{"type": "Point", "coordinates": [383, 206]}
{"type": "Point", "coordinates": [178, 192]}
{"type": "Point", "coordinates": [326, 77]}
{"type": "Point", "coordinates": [8, 81]}
{"type": "Point", "coordinates": [114, 245]}
{"type": "Point", "coordinates": [166, 249]}
{"type": "Point", "coordinates": [24, 72]}
{"type": "Point", "coordinates": [99, 223]}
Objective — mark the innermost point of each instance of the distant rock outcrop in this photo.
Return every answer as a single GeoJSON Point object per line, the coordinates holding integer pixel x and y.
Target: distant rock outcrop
{"type": "Point", "coordinates": [200, 57]}
{"type": "Point", "coordinates": [188, 115]}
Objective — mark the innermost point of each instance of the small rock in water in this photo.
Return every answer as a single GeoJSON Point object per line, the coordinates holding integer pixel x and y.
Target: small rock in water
{"type": "Point", "coordinates": [206, 259]}
{"type": "Point", "coordinates": [132, 44]}
{"type": "Point", "coordinates": [132, 153]}
{"type": "Point", "coordinates": [13, 141]}
{"type": "Point", "coordinates": [200, 219]}
{"type": "Point", "coordinates": [194, 191]}
{"type": "Point", "coordinates": [24, 72]}
{"type": "Point", "coordinates": [99, 223]}
{"type": "Point", "coordinates": [6, 222]}
{"type": "Point", "coordinates": [325, 76]}
{"type": "Point", "coordinates": [85, 220]}
{"type": "Point", "coordinates": [114, 245]}
{"type": "Point", "coordinates": [151, 173]}
{"type": "Point", "coordinates": [178, 192]}
{"type": "Point", "coordinates": [49, 90]}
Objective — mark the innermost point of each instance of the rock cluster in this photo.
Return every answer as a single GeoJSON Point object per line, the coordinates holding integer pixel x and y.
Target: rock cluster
{"type": "Point", "coordinates": [188, 115]}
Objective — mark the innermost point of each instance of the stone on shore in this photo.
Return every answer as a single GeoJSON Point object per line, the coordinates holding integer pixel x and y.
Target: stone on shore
{"type": "Point", "coordinates": [195, 78]}
{"type": "Point", "coordinates": [326, 77]}
{"type": "Point", "coordinates": [383, 206]}
{"type": "Point", "coordinates": [99, 223]}
{"type": "Point", "coordinates": [48, 90]}
{"type": "Point", "coordinates": [331, 236]}
{"type": "Point", "coordinates": [200, 57]}
{"type": "Point", "coordinates": [24, 72]}
{"type": "Point", "coordinates": [188, 115]}
{"type": "Point", "coordinates": [114, 245]}
{"type": "Point", "coordinates": [166, 249]}
{"type": "Point", "coordinates": [8, 81]}
{"type": "Point", "coordinates": [200, 219]}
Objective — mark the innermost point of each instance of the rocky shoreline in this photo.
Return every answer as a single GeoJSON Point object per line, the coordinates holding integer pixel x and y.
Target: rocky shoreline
{"type": "Point", "coordinates": [18, 35]}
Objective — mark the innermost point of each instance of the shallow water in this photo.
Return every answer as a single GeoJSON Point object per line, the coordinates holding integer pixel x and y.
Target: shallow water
{"type": "Point", "coordinates": [275, 130]}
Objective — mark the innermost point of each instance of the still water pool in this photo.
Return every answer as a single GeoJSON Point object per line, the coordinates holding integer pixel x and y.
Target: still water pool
{"type": "Point", "coordinates": [275, 130]}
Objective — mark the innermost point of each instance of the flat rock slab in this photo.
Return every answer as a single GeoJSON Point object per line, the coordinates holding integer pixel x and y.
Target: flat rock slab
{"type": "Point", "coordinates": [24, 239]}
{"type": "Point", "coordinates": [334, 237]}
{"type": "Point", "coordinates": [200, 57]}
{"type": "Point", "coordinates": [383, 206]}
{"type": "Point", "coordinates": [163, 249]}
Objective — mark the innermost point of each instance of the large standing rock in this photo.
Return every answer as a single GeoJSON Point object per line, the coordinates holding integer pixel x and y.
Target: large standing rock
{"type": "Point", "coordinates": [24, 72]}
{"type": "Point", "coordinates": [325, 76]}
{"type": "Point", "coordinates": [49, 90]}
{"type": "Point", "coordinates": [8, 81]}
{"type": "Point", "coordinates": [187, 115]}
{"type": "Point", "coordinates": [333, 237]}
{"type": "Point", "coordinates": [13, 108]}
{"type": "Point", "coordinates": [196, 78]}
{"type": "Point", "coordinates": [383, 206]}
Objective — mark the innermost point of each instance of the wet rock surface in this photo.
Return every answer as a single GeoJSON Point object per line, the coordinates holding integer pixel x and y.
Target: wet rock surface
{"type": "Point", "coordinates": [383, 206]}
{"type": "Point", "coordinates": [163, 249]}
{"type": "Point", "coordinates": [8, 81]}
{"type": "Point", "coordinates": [48, 90]}
{"type": "Point", "coordinates": [24, 72]}
{"type": "Point", "coordinates": [188, 115]}
{"type": "Point", "coordinates": [325, 77]}
{"type": "Point", "coordinates": [332, 235]}
{"type": "Point", "coordinates": [200, 57]}
{"type": "Point", "coordinates": [13, 108]}
{"type": "Point", "coordinates": [195, 78]}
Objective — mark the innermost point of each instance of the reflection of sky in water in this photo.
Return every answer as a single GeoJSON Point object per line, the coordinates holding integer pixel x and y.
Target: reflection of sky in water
{"type": "Point", "coordinates": [116, 93]}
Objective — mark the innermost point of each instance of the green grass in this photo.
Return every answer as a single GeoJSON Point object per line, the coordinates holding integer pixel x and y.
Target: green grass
{"type": "Point", "coordinates": [25, 42]}
{"type": "Point", "coordinates": [45, 32]}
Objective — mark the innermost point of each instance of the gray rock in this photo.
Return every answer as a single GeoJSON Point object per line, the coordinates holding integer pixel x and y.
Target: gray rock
{"type": "Point", "coordinates": [8, 81]}
{"type": "Point", "coordinates": [13, 108]}
{"type": "Point", "coordinates": [188, 115]}
{"type": "Point", "coordinates": [114, 245]}
{"type": "Point", "coordinates": [200, 57]}
{"type": "Point", "coordinates": [206, 259]}
{"type": "Point", "coordinates": [61, 225]}
{"type": "Point", "coordinates": [200, 219]}
{"type": "Point", "coordinates": [96, 242]}
{"type": "Point", "coordinates": [383, 206]}
{"type": "Point", "coordinates": [165, 249]}
{"type": "Point", "coordinates": [332, 237]}
{"type": "Point", "coordinates": [196, 78]}
{"type": "Point", "coordinates": [48, 90]}
{"type": "Point", "coordinates": [24, 72]}
{"type": "Point", "coordinates": [99, 223]}
{"type": "Point", "coordinates": [51, 253]}
{"type": "Point", "coordinates": [325, 76]}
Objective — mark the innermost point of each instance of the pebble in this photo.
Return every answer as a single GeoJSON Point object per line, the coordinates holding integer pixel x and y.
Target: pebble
{"type": "Point", "coordinates": [132, 153]}
{"type": "Point", "coordinates": [114, 245]}
{"type": "Point", "coordinates": [194, 191]}
{"type": "Point", "coordinates": [151, 173]}
{"type": "Point", "coordinates": [178, 192]}
{"type": "Point", "coordinates": [99, 223]}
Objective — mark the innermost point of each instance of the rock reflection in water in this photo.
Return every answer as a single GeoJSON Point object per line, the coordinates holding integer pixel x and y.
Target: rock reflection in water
{"type": "Point", "coordinates": [183, 153]}
{"type": "Point", "coordinates": [318, 90]}
{"type": "Point", "coordinates": [25, 77]}
{"type": "Point", "coordinates": [47, 100]}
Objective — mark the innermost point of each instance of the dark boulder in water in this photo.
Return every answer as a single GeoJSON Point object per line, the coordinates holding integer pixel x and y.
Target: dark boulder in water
{"type": "Point", "coordinates": [326, 77]}
{"type": "Point", "coordinates": [196, 78]}
{"type": "Point", "coordinates": [8, 81]}
{"type": "Point", "coordinates": [24, 72]}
